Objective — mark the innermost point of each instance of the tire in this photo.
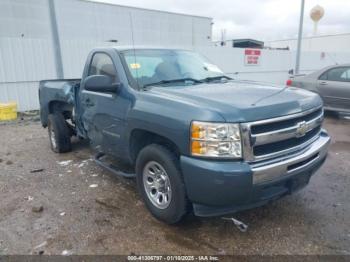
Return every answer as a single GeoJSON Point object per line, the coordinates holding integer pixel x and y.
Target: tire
{"type": "Point", "coordinates": [175, 204]}
{"type": "Point", "coordinates": [59, 133]}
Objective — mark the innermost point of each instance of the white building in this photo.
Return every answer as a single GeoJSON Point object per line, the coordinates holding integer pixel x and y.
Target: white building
{"type": "Point", "coordinates": [321, 43]}
{"type": "Point", "coordinates": [46, 39]}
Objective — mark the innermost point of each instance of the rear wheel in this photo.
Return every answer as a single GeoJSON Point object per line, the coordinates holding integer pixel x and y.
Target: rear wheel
{"type": "Point", "coordinates": [160, 184]}
{"type": "Point", "coordinates": [59, 133]}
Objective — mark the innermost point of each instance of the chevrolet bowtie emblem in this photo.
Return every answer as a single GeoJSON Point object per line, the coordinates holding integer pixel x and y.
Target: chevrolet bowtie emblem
{"type": "Point", "coordinates": [302, 128]}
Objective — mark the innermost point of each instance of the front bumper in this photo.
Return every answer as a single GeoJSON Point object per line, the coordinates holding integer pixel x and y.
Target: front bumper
{"type": "Point", "coordinates": [221, 187]}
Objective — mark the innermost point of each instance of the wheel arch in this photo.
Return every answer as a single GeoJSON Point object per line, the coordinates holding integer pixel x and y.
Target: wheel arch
{"type": "Point", "coordinates": [56, 106]}
{"type": "Point", "coordinates": [140, 138]}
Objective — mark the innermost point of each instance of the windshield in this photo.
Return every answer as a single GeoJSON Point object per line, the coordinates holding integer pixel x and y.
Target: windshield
{"type": "Point", "coordinates": [149, 67]}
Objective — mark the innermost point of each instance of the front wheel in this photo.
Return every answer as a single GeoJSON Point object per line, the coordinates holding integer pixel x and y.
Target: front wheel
{"type": "Point", "coordinates": [160, 184]}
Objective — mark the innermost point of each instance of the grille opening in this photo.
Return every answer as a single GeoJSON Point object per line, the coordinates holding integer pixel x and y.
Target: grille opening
{"type": "Point", "coordinates": [301, 163]}
{"type": "Point", "coordinates": [285, 144]}
{"type": "Point", "coordinates": [284, 123]}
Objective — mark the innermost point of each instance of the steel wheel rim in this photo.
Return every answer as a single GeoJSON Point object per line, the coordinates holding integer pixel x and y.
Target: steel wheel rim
{"type": "Point", "coordinates": [157, 186]}
{"type": "Point", "coordinates": [53, 138]}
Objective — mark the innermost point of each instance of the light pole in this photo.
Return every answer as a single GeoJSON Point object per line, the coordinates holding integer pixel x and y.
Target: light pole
{"type": "Point", "coordinates": [56, 40]}
{"type": "Point", "coordinates": [300, 33]}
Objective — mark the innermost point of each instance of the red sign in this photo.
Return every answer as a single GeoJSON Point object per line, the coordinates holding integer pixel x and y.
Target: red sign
{"type": "Point", "coordinates": [252, 56]}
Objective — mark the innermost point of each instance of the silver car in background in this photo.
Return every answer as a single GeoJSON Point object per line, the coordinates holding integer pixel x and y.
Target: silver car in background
{"type": "Point", "coordinates": [331, 83]}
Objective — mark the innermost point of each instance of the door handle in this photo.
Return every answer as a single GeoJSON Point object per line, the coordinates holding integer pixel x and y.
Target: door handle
{"type": "Point", "coordinates": [89, 103]}
{"type": "Point", "coordinates": [323, 83]}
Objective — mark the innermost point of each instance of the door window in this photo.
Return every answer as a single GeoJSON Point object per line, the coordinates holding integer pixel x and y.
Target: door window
{"type": "Point", "coordinates": [339, 74]}
{"type": "Point", "coordinates": [102, 64]}
{"type": "Point", "coordinates": [345, 76]}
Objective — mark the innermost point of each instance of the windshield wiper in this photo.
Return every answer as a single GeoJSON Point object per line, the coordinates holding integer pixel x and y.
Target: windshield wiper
{"type": "Point", "coordinates": [173, 81]}
{"type": "Point", "coordinates": [214, 78]}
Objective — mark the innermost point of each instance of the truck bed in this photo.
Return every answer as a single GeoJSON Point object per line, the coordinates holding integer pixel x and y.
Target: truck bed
{"type": "Point", "coordinates": [59, 93]}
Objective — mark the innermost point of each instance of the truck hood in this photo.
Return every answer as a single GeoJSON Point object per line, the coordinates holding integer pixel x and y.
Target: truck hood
{"type": "Point", "coordinates": [242, 101]}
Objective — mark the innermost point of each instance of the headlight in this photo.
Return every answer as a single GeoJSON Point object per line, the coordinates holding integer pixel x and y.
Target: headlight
{"type": "Point", "coordinates": [220, 140]}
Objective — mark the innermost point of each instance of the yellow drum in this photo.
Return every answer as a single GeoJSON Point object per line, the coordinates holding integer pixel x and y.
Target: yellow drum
{"type": "Point", "coordinates": [8, 111]}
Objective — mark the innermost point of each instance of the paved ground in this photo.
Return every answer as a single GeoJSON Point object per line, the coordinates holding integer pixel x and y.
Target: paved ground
{"type": "Point", "coordinates": [78, 218]}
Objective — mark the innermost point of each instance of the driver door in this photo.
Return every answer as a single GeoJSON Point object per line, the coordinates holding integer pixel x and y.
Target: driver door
{"type": "Point", "coordinates": [103, 114]}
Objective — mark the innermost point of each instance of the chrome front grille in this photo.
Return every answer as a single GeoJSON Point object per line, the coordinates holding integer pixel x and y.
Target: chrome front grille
{"type": "Point", "coordinates": [280, 136]}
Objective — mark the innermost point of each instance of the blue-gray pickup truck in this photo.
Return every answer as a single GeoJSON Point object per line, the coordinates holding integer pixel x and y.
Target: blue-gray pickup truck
{"type": "Point", "coordinates": [197, 140]}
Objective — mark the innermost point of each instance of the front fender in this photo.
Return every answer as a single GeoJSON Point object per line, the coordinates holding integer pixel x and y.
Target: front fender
{"type": "Point", "coordinates": [175, 130]}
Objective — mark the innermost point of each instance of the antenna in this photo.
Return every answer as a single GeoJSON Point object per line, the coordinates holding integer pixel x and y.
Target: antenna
{"type": "Point", "coordinates": [133, 47]}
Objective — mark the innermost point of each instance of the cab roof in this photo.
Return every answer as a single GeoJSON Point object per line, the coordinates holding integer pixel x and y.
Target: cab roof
{"type": "Point", "coordinates": [130, 47]}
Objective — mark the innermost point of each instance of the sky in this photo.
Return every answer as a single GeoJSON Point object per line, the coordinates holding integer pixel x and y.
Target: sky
{"type": "Point", "coordinates": [259, 19]}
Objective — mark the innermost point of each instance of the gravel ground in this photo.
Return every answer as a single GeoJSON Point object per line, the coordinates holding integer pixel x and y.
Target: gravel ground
{"type": "Point", "coordinates": [65, 204]}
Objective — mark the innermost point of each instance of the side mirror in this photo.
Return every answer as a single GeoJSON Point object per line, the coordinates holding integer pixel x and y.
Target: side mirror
{"type": "Point", "coordinates": [101, 83]}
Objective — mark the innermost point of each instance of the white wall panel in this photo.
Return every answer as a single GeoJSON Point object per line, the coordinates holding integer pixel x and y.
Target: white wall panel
{"type": "Point", "coordinates": [24, 19]}
{"type": "Point", "coordinates": [103, 22]}
{"type": "Point", "coordinates": [26, 54]}
{"type": "Point", "coordinates": [26, 59]}
{"type": "Point", "coordinates": [24, 93]}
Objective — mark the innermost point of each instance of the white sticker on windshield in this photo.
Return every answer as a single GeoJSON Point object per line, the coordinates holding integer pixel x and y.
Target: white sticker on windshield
{"type": "Point", "coordinates": [212, 68]}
